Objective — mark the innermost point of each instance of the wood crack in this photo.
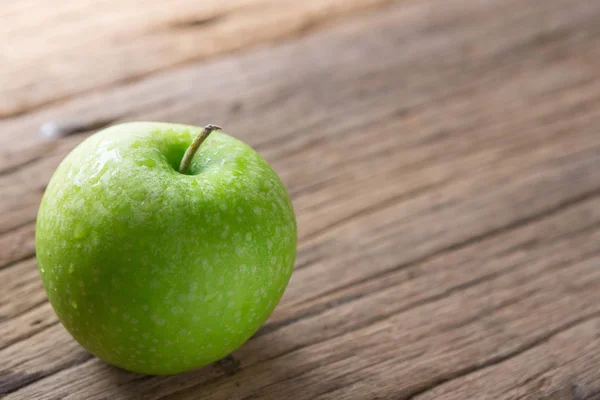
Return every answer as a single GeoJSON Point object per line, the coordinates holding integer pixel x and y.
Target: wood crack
{"type": "Point", "coordinates": [17, 261]}
{"type": "Point", "coordinates": [16, 228]}
{"type": "Point", "coordinates": [20, 165]}
{"type": "Point", "coordinates": [197, 23]}
{"type": "Point", "coordinates": [25, 310]}
{"type": "Point", "coordinates": [12, 381]}
{"type": "Point", "coordinates": [30, 334]}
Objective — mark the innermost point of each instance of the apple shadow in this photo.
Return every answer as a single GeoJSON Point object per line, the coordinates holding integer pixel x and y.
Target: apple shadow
{"type": "Point", "coordinates": [230, 371]}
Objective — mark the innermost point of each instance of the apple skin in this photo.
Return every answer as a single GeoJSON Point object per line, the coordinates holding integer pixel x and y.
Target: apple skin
{"type": "Point", "coordinates": [159, 272]}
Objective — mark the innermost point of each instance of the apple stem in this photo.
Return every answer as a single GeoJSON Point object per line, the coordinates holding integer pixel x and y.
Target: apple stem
{"type": "Point", "coordinates": [191, 151]}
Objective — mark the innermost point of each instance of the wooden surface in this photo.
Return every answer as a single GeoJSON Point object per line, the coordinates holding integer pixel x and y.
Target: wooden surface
{"type": "Point", "coordinates": [444, 161]}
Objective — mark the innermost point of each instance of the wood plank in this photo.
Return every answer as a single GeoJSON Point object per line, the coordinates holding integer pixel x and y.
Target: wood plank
{"type": "Point", "coordinates": [132, 39]}
{"type": "Point", "coordinates": [447, 220]}
{"type": "Point", "coordinates": [182, 95]}
{"type": "Point", "coordinates": [562, 367]}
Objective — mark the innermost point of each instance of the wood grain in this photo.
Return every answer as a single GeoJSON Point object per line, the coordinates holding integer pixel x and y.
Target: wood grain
{"type": "Point", "coordinates": [46, 53]}
{"type": "Point", "coordinates": [444, 169]}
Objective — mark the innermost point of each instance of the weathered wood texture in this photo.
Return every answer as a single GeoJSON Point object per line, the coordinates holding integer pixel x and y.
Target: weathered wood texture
{"type": "Point", "coordinates": [444, 162]}
{"type": "Point", "coordinates": [50, 53]}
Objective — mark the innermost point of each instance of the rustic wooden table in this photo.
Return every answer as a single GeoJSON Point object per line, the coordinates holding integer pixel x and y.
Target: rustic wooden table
{"type": "Point", "coordinates": [444, 161]}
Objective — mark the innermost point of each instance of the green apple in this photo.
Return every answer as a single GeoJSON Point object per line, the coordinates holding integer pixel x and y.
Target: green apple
{"type": "Point", "coordinates": [155, 270]}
